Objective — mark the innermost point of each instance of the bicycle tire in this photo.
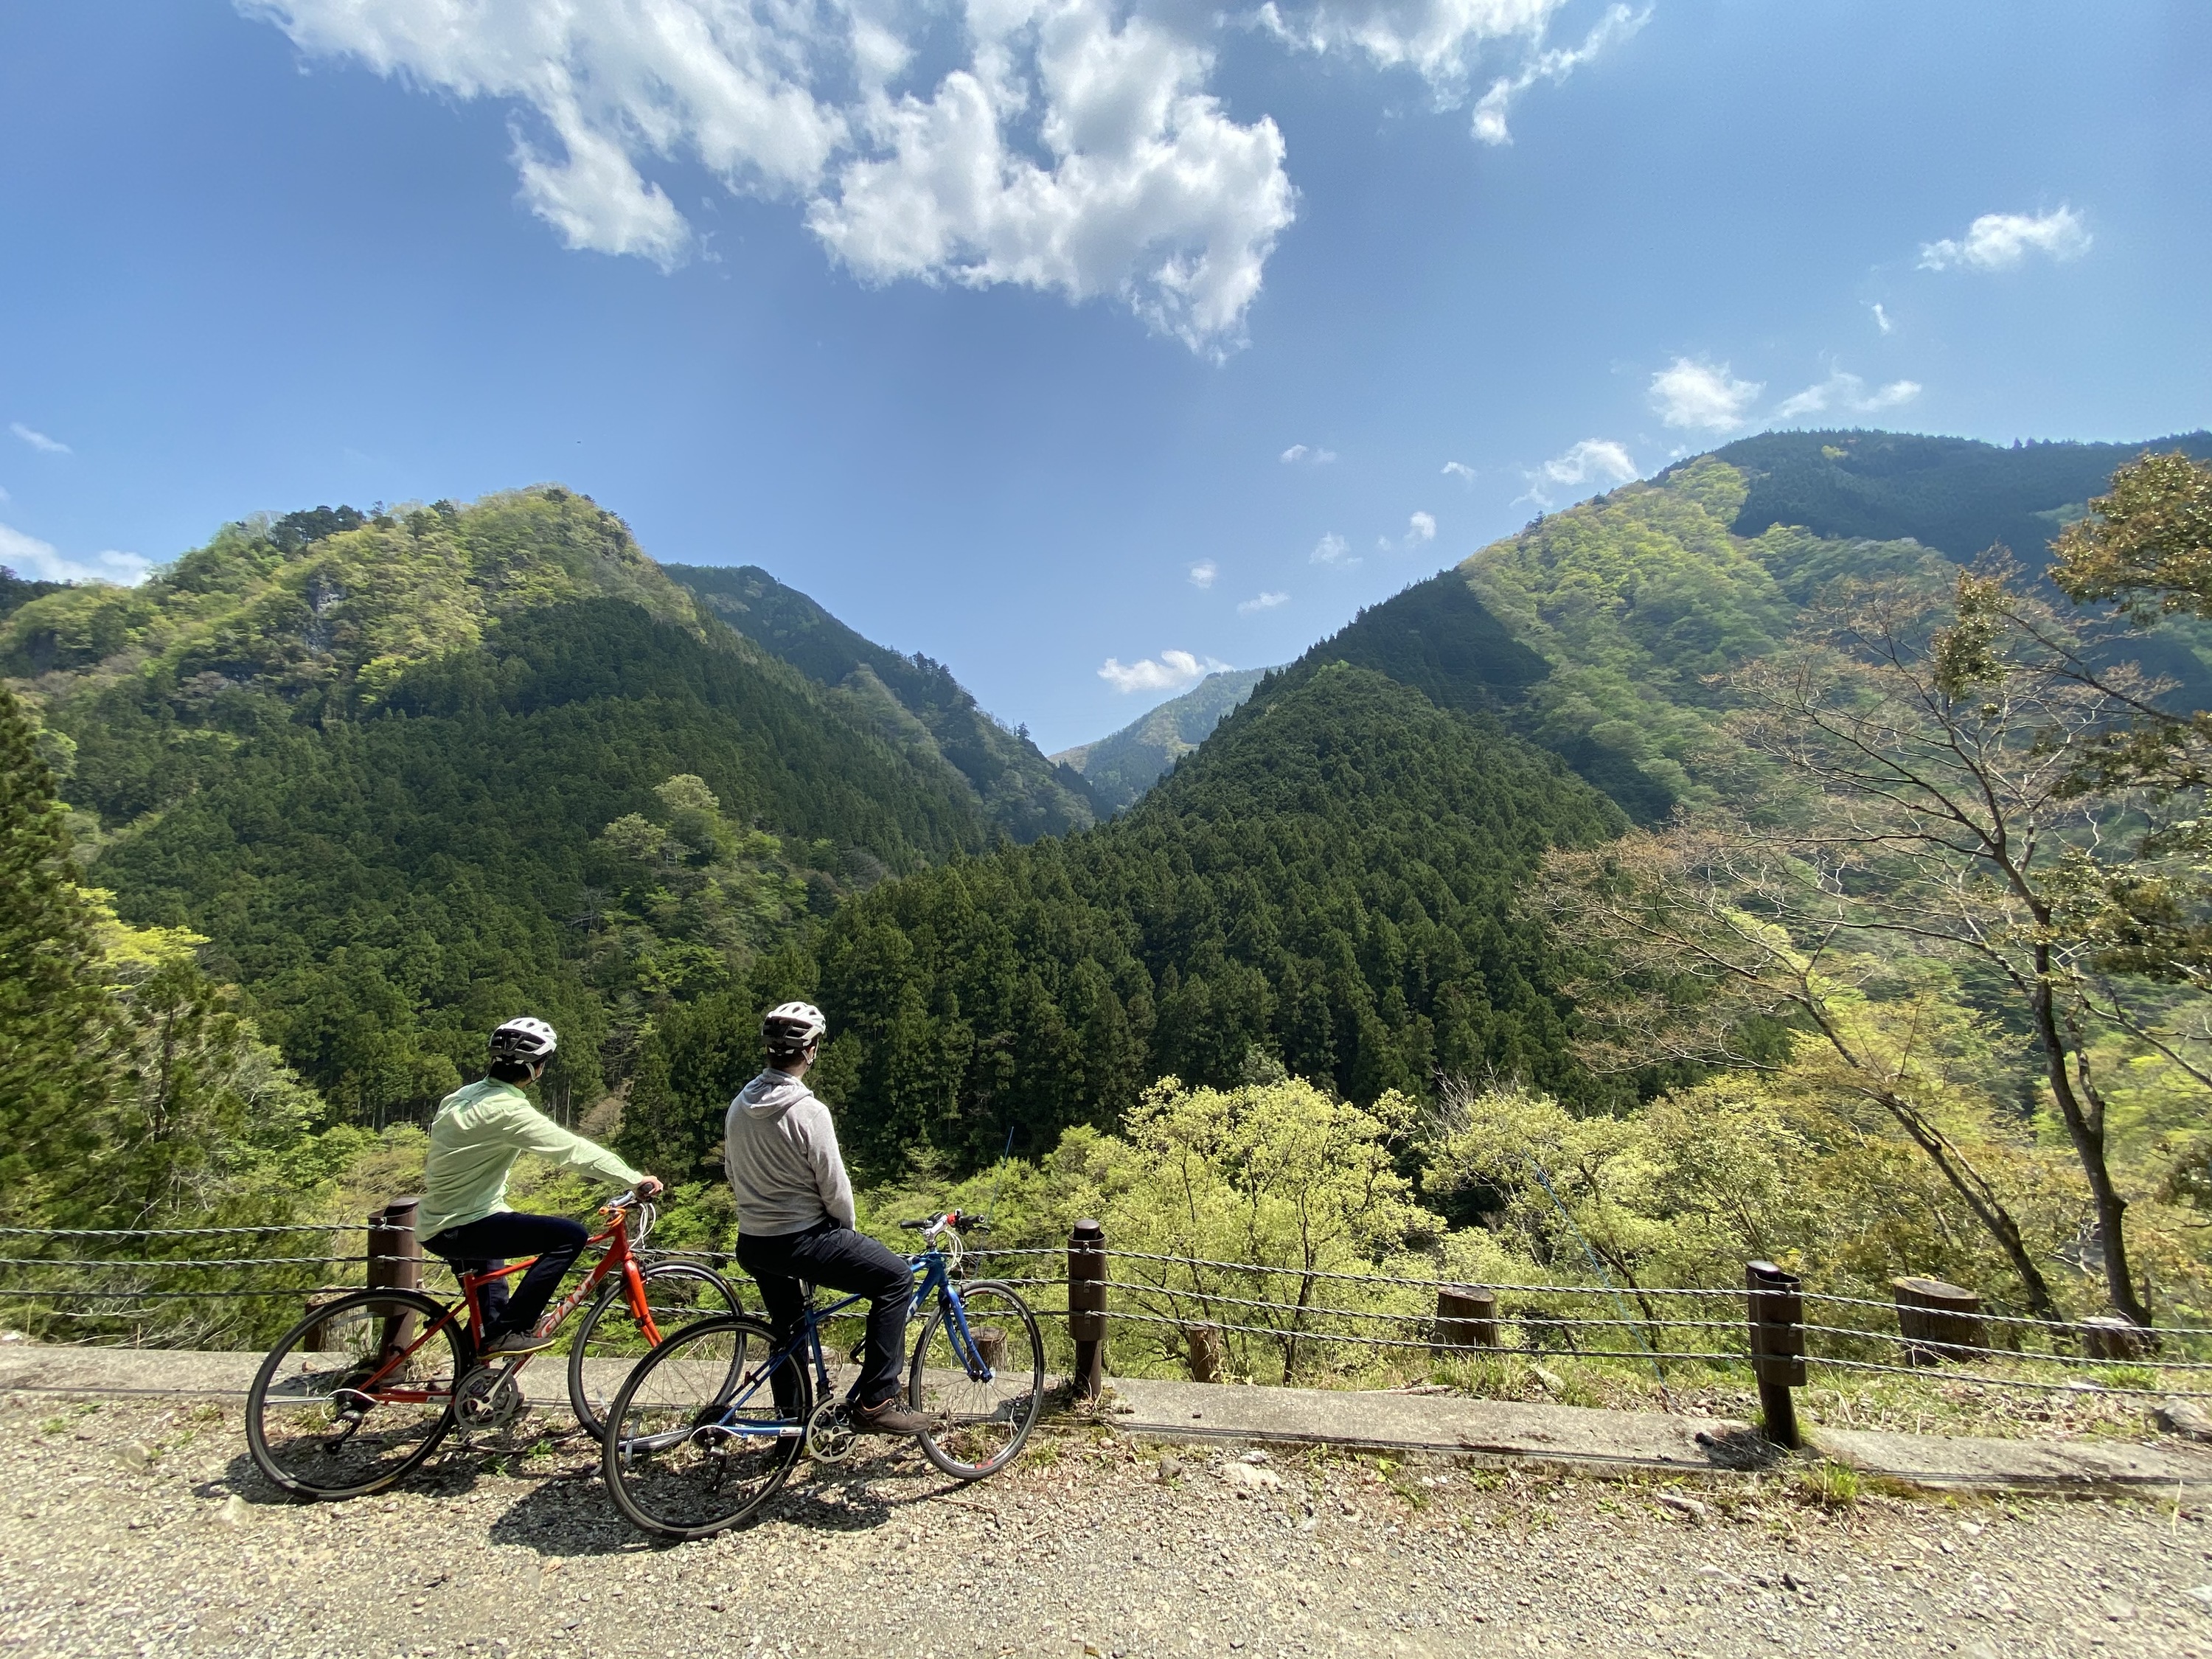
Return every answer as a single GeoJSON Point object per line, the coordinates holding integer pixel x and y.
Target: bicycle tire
{"type": "Point", "coordinates": [714, 1298]}
{"type": "Point", "coordinates": [300, 1448]}
{"type": "Point", "coordinates": [670, 1463]}
{"type": "Point", "coordinates": [978, 1427]}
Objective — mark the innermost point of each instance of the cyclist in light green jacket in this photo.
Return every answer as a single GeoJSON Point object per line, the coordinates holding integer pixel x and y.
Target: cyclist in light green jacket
{"type": "Point", "coordinates": [480, 1130]}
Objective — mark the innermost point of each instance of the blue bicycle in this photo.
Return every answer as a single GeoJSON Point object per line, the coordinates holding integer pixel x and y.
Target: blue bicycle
{"type": "Point", "coordinates": [710, 1424]}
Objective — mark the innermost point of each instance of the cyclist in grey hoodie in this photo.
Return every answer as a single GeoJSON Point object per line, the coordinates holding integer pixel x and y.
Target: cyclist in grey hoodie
{"type": "Point", "coordinates": [795, 1216]}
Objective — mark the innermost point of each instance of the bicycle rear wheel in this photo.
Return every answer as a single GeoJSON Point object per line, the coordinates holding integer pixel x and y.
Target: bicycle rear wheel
{"type": "Point", "coordinates": [695, 1440]}
{"type": "Point", "coordinates": [324, 1420]}
{"type": "Point", "coordinates": [608, 1342]}
{"type": "Point", "coordinates": [978, 1424]}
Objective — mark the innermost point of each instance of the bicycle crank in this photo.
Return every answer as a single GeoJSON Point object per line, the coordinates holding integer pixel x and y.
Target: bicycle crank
{"type": "Point", "coordinates": [830, 1435]}
{"type": "Point", "coordinates": [488, 1399]}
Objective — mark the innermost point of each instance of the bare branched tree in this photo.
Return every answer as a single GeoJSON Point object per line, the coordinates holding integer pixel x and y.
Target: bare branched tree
{"type": "Point", "coordinates": [1938, 741]}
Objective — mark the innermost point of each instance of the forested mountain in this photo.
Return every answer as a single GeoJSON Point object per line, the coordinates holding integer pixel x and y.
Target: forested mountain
{"type": "Point", "coordinates": [1597, 631]}
{"type": "Point", "coordinates": [16, 591]}
{"type": "Point", "coordinates": [1120, 768]}
{"type": "Point", "coordinates": [914, 703]}
{"type": "Point", "coordinates": [1323, 887]}
{"type": "Point", "coordinates": [409, 775]}
{"type": "Point", "coordinates": [1954, 495]}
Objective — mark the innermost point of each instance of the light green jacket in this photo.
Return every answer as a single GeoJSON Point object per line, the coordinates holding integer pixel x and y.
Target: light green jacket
{"type": "Point", "coordinates": [477, 1134]}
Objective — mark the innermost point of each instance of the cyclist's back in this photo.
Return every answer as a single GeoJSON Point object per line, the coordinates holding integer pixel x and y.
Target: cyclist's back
{"type": "Point", "coordinates": [779, 1150]}
{"type": "Point", "coordinates": [795, 1215]}
{"type": "Point", "coordinates": [478, 1133]}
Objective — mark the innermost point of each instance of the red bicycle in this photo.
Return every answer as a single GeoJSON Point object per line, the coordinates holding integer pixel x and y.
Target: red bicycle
{"type": "Point", "coordinates": [365, 1388]}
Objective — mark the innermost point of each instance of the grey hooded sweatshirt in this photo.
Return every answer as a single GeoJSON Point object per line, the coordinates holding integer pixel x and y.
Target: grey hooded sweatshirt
{"type": "Point", "coordinates": [780, 1151]}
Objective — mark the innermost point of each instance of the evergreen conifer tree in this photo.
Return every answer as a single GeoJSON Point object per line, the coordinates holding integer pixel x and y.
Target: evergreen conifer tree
{"type": "Point", "coordinates": [54, 1009]}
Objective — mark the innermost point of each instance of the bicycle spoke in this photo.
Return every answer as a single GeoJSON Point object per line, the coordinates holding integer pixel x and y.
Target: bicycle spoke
{"type": "Point", "coordinates": [983, 1391]}
{"type": "Point", "coordinates": [696, 1439]}
{"type": "Point", "coordinates": [609, 1340]}
{"type": "Point", "coordinates": [331, 1415]}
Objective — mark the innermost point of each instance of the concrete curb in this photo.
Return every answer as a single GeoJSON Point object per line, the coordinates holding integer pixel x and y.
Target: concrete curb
{"type": "Point", "coordinates": [1438, 1425]}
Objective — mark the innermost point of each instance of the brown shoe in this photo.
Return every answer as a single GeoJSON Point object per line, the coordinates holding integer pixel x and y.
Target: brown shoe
{"type": "Point", "coordinates": [889, 1417]}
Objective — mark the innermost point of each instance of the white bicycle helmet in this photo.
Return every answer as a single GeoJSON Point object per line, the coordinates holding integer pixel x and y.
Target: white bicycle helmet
{"type": "Point", "coordinates": [526, 1041]}
{"type": "Point", "coordinates": [790, 1026]}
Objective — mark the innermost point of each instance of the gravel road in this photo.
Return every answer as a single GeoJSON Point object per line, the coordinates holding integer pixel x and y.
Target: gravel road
{"type": "Point", "coordinates": [140, 1528]}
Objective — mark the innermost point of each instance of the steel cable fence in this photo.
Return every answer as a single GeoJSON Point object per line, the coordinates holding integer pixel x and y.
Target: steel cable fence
{"type": "Point", "coordinates": [1278, 1322]}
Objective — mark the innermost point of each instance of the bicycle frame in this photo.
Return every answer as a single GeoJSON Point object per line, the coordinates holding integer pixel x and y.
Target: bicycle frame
{"type": "Point", "coordinates": [618, 1257]}
{"type": "Point", "coordinates": [934, 1266]}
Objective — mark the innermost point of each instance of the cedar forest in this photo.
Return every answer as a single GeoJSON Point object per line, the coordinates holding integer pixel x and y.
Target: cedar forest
{"type": "Point", "coordinates": [1761, 859]}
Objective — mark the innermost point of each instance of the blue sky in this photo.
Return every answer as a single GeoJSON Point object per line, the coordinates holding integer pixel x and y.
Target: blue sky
{"type": "Point", "coordinates": [992, 324]}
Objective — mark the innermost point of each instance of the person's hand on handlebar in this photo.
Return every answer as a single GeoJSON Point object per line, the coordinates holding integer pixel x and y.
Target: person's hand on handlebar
{"type": "Point", "coordinates": [648, 1188]}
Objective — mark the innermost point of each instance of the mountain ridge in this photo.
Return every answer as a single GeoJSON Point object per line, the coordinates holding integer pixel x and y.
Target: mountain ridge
{"type": "Point", "coordinates": [915, 702]}
{"type": "Point", "coordinates": [1121, 766]}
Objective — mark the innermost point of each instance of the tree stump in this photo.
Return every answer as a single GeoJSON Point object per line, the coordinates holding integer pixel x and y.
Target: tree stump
{"type": "Point", "coordinates": [1466, 1318]}
{"type": "Point", "coordinates": [1208, 1353]}
{"type": "Point", "coordinates": [2108, 1336]}
{"type": "Point", "coordinates": [1938, 1322]}
{"type": "Point", "coordinates": [990, 1345]}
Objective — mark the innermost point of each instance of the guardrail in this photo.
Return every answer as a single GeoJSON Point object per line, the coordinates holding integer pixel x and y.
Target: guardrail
{"type": "Point", "coordinates": [1212, 1318]}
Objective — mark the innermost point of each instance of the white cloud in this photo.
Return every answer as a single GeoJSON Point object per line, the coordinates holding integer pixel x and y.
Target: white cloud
{"type": "Point", "coordinates": [1692, 393]}
{"type": "Point", "coordinates": [1460, 471]}
{"type": "Point", "coordinates": [1846, 393]}
{"type": "Point", "coordinates": [1593, 460]}
{"type": "Point", "coordinates": [1307, 455]}
{"type": "Point", "coordinates": [1589, 461]}
{"type": "Point", "coordinates": [1203, 573]}
{"type": "Point", "coordinates": [1171, 670]}
{"type": "Point", "coordinates": [38, 441]}
{"type": "Point", "coordinates": [1421, 527]}
{"type": "Point", "coordinates": [1075, 150]}
{"type": "Point", "coordinates": [1553, 65]}
{"type": "Point", "coordinates": [1997, 240]}
{"type": "Point", "coordinates": [1152, 193]}
{"type": "Point", "coordinates": [1332, 549]}
{"type": "Point", "coordinates": [1445, 40]}
{"type": "Point", "coordinates": [1881, 318]}
{"type": "Point", "coordinates": [1261, 602]}
{"type": "Point", "coordinates": [27, 555]}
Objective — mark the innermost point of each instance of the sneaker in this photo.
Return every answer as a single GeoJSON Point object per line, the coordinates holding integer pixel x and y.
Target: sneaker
{"type": "Point", "coordinates": [513, 1342]}
{"type": "Point", "coordinates": [889, 1417]}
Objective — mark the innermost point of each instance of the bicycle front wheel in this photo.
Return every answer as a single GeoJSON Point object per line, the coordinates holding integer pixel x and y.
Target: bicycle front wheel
{"type": "Point", "coordinates": [977, 1422]}
{"type": "Point", "coordinates": [609, 1342]}
{"type": "Point", "coordinates": [706, 1429]}
{"type": "Point", "coordinates": [328, 1417]}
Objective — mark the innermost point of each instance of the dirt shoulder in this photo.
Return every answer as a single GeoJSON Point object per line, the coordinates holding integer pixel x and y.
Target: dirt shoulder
{"type": "Point", "coordinates": [140, 1528]}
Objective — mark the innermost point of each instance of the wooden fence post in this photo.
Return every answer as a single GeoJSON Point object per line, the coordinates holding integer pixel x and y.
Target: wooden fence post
{"type": "Point", "coordinates": [1086, 1306]}
{"type": "Point", "coordinates": [395, 1263]}
{"type": "Point", "coordinates": [1777, 1347]}
{"type": "Point", "coordinates": [1938, 1322]}
{"type": "Point", "coordinates": [1466, 1318]}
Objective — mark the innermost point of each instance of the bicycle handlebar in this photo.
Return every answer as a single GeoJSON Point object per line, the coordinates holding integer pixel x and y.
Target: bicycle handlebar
{"type": "Point", "coordinates": [951, 1219]}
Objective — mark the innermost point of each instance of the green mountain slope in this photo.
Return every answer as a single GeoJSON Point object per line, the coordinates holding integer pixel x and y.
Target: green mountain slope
{"type": "Point", "coordinates": [914, 703]}
{"type": "Point", "coordinates": [412, 774]}
{"type": "Point", "coordinates": [1597, 631]}
{"type": "Point", "coordinates": [1326, 885]}
{"type": "Point", "coordinates": [16, 592]}
{"type": "Point", "coordinates": [1121, 768]}
{"type": "Point", "coordinates": [1954, 495]}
